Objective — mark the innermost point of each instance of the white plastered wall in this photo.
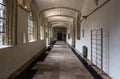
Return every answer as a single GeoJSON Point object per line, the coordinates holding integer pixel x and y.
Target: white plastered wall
{"type": "Point", "coordinates": [107, 18]}
{"type": "Point", "coordinates": [14, 57]}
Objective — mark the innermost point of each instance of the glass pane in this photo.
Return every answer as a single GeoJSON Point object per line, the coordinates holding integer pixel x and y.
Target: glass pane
{"type": "Point", "coordinates": [1, 1]}
{"type": "Point", "coordinates": [2, 35]}
{"type": "Point", "coordinates": [0, 39]}
{"type": "Point", "coordinates": [1, 25]}
{"type": "Point", "coordinates": [30, 27]}
{"type": "Point", "coordinates": [2, 11]}
{"type": "Point", "coordinates": [2, 22]}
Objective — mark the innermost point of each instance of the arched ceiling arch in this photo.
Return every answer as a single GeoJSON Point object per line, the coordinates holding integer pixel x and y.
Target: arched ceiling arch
{"type": "Point", "coordinates": [60, 11]}
{"type": "Point", "coordinates": [60, 23]}
{"type": "Point", "coordinates": [55, 7]}
{"type": "Point", "coordinates": [63, 26]}
{"type": "Point", "coordinates": [45, 4]}
{"type": "Point", "coordinates": [60, 8]}
{"type": "Point", "coordinates": [59, 18]}
{"type": "Point", "coordinates": [67, 16]}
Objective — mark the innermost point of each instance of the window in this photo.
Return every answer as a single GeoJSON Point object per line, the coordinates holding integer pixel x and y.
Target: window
{"type": "Point", "coordinates": [2, 22]}
{"type": "Point", "coordinates": [30, 27]}
{"type": "Point", "coordinates": [8, 23]}
{"type": "Point", "coordinates": [78, 28]}
{"type": "Point", "coordinates": [42, 32]}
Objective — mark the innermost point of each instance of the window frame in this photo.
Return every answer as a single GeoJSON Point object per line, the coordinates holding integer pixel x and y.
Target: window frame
{"type": "Point", "coordinates": [42, 32]}
{"type": "Point", "coordinates": [10, 24]}
{"type": "Point", "coordinates": [30, 27]}
{"type": "Point", "coordinates": [2, 23]}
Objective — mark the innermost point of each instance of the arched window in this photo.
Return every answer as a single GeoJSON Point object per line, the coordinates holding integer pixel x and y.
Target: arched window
{"type": "Point", "coordinates": [30, 27]}
{"type": "Point", "coordinates": [42, 30]}
{"type": "Point", "coordinates": [2, 22]}
{"type": "Point", "coordinates": [8, 22]}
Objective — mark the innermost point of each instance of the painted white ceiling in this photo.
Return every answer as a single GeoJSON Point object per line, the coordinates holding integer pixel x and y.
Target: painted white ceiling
{"type": "Point", "coordinates": [55, 23]}
{"type": "Point", "coordinates": [56, 18]}
{"type": "Point", "coordinates": [60, 11]}
{"type": "Point", "coordinates": [60, 7]}
{"type": "Point", "coordinates": [63, 7]}
{"type": "Point", "coordinates": [60, 19]}
{"type": "Point", "coordinates": [59, 24]}
{"type": "Point", "coordinates": [45, 4]}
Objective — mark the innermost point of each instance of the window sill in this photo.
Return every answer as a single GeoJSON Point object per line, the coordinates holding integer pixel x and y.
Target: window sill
{"type": "Point", "coordinates": [5, 46]}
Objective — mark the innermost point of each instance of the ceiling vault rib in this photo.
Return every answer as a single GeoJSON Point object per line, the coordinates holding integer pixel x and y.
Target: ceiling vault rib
{"type": "Point", "coordinates": [60, 21]}
{"type": "Point", "coordinates": [60, 16]}
{"type": "Point", "coordinates": [57, 23]}
{"type": "Point", "coordinates": [59, 8]}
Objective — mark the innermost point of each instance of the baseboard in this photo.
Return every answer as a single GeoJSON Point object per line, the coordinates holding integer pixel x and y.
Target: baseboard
{"type": "Point", "coordinates": [87, 66]}
{"type": "Point", "coordinates": [22, 68]}
{"type": "Point", "coordinates": [91, 68]}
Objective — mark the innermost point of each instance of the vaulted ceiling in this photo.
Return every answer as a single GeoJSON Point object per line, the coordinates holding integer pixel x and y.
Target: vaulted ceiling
{"type": "Point", "coordinates": [45, 4]}
{"type": "Point", "coordinates": [64, 12]}
{"type": "Point", "coordinates": [58, 12]}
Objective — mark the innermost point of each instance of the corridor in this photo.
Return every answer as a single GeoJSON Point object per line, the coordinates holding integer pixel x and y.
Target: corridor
{"type": "Point", "coordinates": [61, 63]}
{"type": "Point", "coordinates": [59, 39]}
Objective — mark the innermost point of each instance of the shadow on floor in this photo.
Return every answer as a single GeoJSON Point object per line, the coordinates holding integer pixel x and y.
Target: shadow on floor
{"type": "Point", "coordinates": [28, 73]}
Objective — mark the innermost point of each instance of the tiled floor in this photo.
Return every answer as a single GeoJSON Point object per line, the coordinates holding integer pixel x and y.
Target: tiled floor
{"type": "Point", "coordinates": [61, 63]}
